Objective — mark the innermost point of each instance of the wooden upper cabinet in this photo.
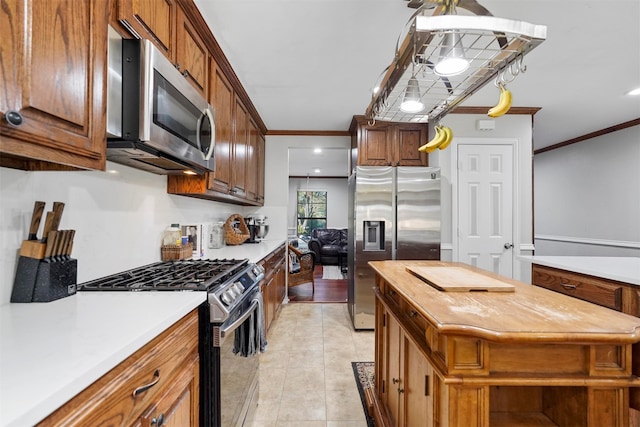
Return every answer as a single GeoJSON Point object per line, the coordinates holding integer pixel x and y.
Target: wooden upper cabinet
{"type": "Point", "coordinates": [374, 147]}
{"type": "Point", "coordinates": [387, 143]}
{"type": "Point", "coordinates": [240, 143]}
{"type": "Point", "coordinates": [53, 70]}
{"type": "Point", "coordinates": [151, 19]}
{"type": "Point", "coordinates": [191, 53]}
{"type": "Point", "coordinates": [222, 99]}
{"type": "Point", "coordinates": [409, 138]}
{"type": "Point", "coordinates": [260, 171]}
{"type": "Point", "coordinates": [252, 161]}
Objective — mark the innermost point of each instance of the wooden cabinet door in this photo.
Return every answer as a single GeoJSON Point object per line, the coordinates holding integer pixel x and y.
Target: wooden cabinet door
{"type": "Point", "coordinates": [408, 139]}
{"type": "Point", "coordinates": [191, 53]}
{"type": "Point", "coordinates": [394, 380]}
{"type": "Point", "coordinates": [280, 289]}
{"type": "Point", "coordinates": [267, 298]}
{"type": "Point", "coordinates": [260, 171]}
{"type": "Point", "coordinates": [418, 387]}
{"type": "Point", "coordinates": [151, 19]}
{"type": "Point", "coordinates": [252, 162]}
{"type": "Point", "coordinates": [53, 67]}
{"type": "Point", "coordinates": [222, 99]}
{"type": "Point", "coordinates": [240, 142]}
{"type": "Point", "coordinates": [373, 149]}
{"type": "Point", "coordinates": [179, 404]}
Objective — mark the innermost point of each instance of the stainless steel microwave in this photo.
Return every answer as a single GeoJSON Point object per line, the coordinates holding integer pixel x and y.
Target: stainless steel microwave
{"type": "Point", "coordinates": [156, 120]}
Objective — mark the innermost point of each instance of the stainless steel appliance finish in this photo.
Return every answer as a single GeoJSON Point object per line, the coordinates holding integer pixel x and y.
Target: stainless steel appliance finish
{"type": "Point", "coordinates": [156, 120]}
{"type": "Point", "coordinates": [229, 384]}
{"type": "Point", "coordinates": [394, 213]}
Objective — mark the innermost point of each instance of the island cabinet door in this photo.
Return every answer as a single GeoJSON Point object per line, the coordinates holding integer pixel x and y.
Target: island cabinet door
{"type": "Point", "coordinates": [418, 389]}
{"type": "Point", "coordinates": [393, 384]}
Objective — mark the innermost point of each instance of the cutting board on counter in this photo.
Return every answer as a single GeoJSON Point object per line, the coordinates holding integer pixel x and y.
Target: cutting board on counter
{"type": "Point", "coordinates": [458, 279]}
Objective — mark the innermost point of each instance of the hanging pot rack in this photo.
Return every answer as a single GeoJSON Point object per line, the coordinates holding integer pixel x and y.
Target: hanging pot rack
{"type": "Point", "coordinates": [494, 47]}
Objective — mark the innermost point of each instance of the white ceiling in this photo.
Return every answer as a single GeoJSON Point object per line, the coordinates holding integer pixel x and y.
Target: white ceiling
{"type": "Point", "coordinates": [310, 64]}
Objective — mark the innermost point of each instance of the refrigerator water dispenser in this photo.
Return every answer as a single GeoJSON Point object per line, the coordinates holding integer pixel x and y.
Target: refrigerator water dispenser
{"type": "Point", "coordinates": [373, 233]}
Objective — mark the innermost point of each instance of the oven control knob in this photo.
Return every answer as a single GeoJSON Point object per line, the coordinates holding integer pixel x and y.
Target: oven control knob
{"type": "Point", "coordinates": [238, 288]}
{"type": "Point", "coordinates": [226, 298]}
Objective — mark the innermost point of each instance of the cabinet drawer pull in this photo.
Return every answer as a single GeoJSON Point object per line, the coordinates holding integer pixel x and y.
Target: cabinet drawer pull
{"type": "Point", "coordinates": [158, 421]}
{"type": "Point", "coordinates": [413, 313]}
{"type": "Point", "coordinates": [400, 390]}
{"type": "Point", "coordinates": [568, 286]}
{"type": "Point", "coordinates": [14, 118]}
{"type": "Point", "coordinates": [395, 380]}
{"type": "Point", "coordinates": [142, 389]}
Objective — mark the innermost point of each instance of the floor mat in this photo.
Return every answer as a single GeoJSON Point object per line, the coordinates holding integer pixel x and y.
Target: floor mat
{"type": "Point", "coordinates": [363, 372]}
{"type": "Point", "coordinates": [332, 272]}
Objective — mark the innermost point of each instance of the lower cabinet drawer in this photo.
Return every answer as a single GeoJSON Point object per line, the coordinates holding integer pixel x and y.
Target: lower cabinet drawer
{"type": "Point", "coordinates": [122, 394]}
{"type": "Point", "coordinates": [601, 292]}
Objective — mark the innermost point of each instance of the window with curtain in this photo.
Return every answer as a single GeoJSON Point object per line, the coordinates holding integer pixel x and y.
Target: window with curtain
{"type": "Point", "coordinates": [312, 211]}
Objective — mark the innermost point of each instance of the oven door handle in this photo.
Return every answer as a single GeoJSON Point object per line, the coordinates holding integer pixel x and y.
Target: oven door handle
{"type": "Point", "coordinates": [232, 327]}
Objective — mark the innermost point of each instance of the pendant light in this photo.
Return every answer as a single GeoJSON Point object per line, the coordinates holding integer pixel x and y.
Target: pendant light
{"type": "Point", "coordinates": [452, 60]}
{"type": "Point", "coordinates": [411, 102]}
{"type": "Point", "coordinates": [436, 44]}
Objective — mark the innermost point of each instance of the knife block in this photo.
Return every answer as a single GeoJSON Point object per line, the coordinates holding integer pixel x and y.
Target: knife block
{"type": "Point", "coordinates": [55, 280]}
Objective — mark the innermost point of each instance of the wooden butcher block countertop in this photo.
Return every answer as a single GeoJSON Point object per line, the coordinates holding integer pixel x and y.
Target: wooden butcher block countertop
{"type": "Point", "coordinates": [525, 314]}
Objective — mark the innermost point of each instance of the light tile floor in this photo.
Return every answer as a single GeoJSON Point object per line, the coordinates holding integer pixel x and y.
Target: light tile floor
{"type": "Point", "coordinates": [306, 378]}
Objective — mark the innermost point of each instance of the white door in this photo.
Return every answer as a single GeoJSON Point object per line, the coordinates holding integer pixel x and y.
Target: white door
{"type": "Point", "coordinates": [485, 207]}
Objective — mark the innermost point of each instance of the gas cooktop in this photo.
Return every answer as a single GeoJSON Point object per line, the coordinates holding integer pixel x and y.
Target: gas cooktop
{"type": "Point", "coordinates": [183, 275]}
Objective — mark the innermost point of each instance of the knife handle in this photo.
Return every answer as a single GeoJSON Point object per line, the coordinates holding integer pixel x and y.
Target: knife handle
{"type": "Point", "coordinates": [72, 234]}
{"type": "Point", "coordinates": [48, 221]}
{"type": "Point", "coordinates": [51, 241]}
{"type": "Point", "coordinates": [38, 209]}
{"type": "Point", "coordinates": [58, 207]}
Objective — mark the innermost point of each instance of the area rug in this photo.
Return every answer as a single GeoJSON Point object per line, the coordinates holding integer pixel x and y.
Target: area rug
{"type": "Point", "coordinates": [363, 371]}
{"type": "Point", "coordinates": [332, 272]}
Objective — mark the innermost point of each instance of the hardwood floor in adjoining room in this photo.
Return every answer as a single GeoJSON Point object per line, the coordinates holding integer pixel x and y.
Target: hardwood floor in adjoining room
{"type": "Point", "coordinates": [325, 290]}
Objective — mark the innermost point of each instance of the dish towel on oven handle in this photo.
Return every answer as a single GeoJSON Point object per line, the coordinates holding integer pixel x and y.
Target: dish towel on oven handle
{"type": "Point", "coordinates": [250, 338]}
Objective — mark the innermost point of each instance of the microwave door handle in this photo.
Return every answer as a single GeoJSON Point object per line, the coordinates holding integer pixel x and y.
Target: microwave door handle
{"type": "Point", "coordinates": [209, 114]}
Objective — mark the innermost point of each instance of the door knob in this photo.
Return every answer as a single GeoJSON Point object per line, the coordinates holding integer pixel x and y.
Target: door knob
{"type": "Point", "coordinates": [508, 245]}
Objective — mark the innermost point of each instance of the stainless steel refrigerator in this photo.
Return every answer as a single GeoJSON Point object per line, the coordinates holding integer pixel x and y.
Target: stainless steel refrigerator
{"type": "Point", "coordinates": [394, 213]}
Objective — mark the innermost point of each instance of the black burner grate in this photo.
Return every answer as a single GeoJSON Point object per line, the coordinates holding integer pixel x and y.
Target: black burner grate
{"type": "Point", "coordinates": [184, 275]}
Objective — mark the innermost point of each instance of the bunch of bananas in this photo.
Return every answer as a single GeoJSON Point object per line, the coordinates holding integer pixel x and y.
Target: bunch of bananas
{"type": "Point", "coordinates": [441, 139]}
{"type": "Point", "coordinates": [504, 103]}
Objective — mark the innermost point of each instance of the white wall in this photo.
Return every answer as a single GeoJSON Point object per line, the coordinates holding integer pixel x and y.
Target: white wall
{"type": "Point", "coordinates": [277, 177]}
{"type": "Point", "coordinates": [516, 128]}
{"type": "Point", "coordinates": [119, 216]}
{"type": "Point", "coordinates": [337, 199]}
{"type": "Point", "coordinates": [587, 197]}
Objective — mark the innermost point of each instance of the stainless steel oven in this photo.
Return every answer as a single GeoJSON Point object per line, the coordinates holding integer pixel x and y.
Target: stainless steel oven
{"type": "Point", "coordinates": [231, 329]}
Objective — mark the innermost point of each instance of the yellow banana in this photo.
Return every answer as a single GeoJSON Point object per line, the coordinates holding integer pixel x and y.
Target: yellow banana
{"type": "Point", "coordinates": [503, 105]}
{"type": "Point", "coordinates": [435, 141]}
{"type": "Point", "coordinates": [447, 140]}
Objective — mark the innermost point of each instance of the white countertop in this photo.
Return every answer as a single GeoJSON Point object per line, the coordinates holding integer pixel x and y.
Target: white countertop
{"type": "Point", "coordinates": [52, 351]}
{"type": "Point", "coordinates": [622, 269]}
{"type": "Point", "coordinates": [49, 352]}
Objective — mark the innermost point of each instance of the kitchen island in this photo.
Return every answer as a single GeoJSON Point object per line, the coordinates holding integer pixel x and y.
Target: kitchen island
{"type": "Point", "coordinates": [520, 356]}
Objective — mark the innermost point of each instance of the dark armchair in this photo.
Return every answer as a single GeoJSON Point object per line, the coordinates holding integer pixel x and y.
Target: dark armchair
{"type": "Point", "coordinates": [326, 243]}
{"type": "Point", "coordinates": [300, 266]}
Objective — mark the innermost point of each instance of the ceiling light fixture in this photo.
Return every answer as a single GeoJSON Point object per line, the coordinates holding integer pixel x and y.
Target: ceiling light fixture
{"type": "Point", "coordinates": [411, 100]}
{"type": "Point", "coordinates": [452, 61]}
{"type": "Point", "coordinates": [634, 92]}
{"type": "Point", "coordinates": [485, 47]}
